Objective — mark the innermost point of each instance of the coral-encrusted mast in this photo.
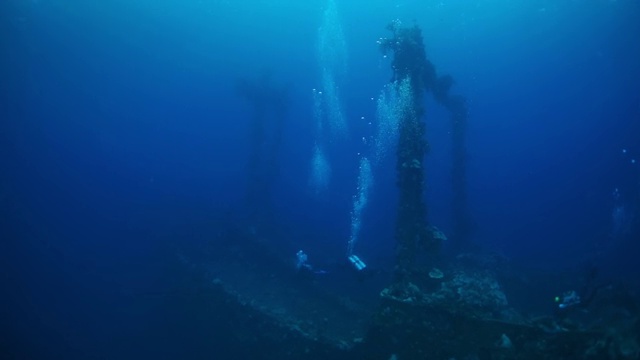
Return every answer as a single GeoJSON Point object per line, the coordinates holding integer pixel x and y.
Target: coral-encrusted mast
{"type": "Point", "coordinates": [412, 231]}
{"type": "Point", "coordinates": [409, 62]}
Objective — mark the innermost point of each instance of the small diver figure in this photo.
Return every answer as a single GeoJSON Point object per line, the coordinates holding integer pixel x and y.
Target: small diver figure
{"type": "Point", "coordinates": [573, 300]}
{"type": "Point", "coordinates": [568, 300]}
{"type": "Point", "coordinates": [354, 264]}
{"type": "Point", "coordinates": [303, 266]}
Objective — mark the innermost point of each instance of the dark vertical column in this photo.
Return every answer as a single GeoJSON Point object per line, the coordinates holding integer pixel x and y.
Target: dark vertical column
{"type": "Point", "coordinates": [457, 107]}
{"type": "Point", "coordinates": [269, 105]}
{"type": "Point", "coordinates": [411, 227]}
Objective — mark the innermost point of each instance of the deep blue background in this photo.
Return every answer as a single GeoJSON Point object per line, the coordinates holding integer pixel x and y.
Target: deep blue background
{"type": "Point", "coordinates": [122, 136]}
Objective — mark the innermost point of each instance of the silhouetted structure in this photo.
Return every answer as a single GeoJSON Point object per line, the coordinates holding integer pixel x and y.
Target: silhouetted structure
{"type": "Point", "coordinates": [269, 105]}
{"type": "Point", "coordinates": [457, 107]}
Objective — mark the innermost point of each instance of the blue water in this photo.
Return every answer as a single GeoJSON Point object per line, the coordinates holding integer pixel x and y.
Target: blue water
{"type": "Point", "coordinates": [123, 138]}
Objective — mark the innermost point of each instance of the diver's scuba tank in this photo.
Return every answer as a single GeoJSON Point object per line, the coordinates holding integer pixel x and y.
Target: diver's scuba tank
{"type": "Point", "coordinates": [357, 263]}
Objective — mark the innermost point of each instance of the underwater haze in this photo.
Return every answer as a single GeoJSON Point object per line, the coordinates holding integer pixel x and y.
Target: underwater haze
{"type": "Point", "coordinates": [136, 133]}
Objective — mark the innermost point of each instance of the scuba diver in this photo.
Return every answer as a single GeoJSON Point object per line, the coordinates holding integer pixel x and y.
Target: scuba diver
{"type": "Point", "coordinates": [354, 263]}
{"type": "Point", "coordinates": [573, 300]}
{"type": "Point", "coordinates": [304, 267]}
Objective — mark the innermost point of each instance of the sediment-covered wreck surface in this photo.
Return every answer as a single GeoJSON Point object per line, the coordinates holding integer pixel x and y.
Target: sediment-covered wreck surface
{"type": "Point", "coordinates": [250, 302]}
